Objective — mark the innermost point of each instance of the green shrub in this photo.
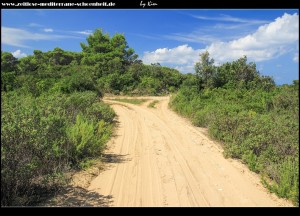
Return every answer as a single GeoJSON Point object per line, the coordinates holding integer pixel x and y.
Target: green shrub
{"type": "Point", "coordinates": [42, 137]}
{"type": "Point", "coordinates": [83, 139]}
{"type": "Point", "coordinates": [100, 110]}
{"type": "Point", "coordinates": [258, 126]}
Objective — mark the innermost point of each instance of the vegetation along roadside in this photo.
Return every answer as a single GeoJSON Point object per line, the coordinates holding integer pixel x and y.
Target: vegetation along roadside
{"type": "Point", "coordinates": [255, 120]}
{"type": "Point", "coordinates": [53, 119]}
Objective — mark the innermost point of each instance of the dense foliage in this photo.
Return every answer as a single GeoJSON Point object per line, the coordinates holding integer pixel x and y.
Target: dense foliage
{"type": "Point", "coordinates": [51, 117]}
{"type": "Point", "coordinates": [41, 137]}
{"type": "Point", "coordinates": [256, 120]}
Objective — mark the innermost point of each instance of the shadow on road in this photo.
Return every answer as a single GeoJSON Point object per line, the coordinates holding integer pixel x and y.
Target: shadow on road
{"type": "Point", "coordinates": [115, 158]}
{"type": "Point", "coordinates": [79, 197]}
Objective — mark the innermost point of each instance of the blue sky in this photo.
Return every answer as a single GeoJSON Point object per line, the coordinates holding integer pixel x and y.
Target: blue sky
{"type": "Point", "coordinates": [173, 38]}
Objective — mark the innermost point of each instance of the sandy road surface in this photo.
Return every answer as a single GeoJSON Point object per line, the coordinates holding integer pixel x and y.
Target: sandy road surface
{"type": "Point", "coordinates": [159, 159]}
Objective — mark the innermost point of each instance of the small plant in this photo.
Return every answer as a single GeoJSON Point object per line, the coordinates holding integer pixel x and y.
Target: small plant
{"type": "Point", "coordinates": [153, 103]}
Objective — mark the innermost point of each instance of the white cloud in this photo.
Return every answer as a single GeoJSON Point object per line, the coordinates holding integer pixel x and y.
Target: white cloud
{"type": "Point", "coordinates": [230, 26]}
{"type": "Point", "coordinates": [85, 32]}
{"type": "Point", "coordinates": [182, 57]}
{"type": "Point", "coordinates": [296, 57]}
{"type": "Point", "coordinates": [35, 25]}
{"type": "Point", "coordinates": [179, 55]}
{"type": "Point", "coordinates": [194, 37]}
{"type": "Point", "coordinates": [48, 30]}
{"type": "Point", "coordinates": [18, 37]}
{"type": "Point", "coordinates": [186, 68]}
{"type": "Point", "coordinates": [227, 18]}
{"type": "Point", "coordinates": [19, 54]}
{"type": "Point", "coordinates": [267, 42]}
{"type": "Point", "coordinates": [224, 28]}
{"type": "Point", "coordinates": [212, 33]}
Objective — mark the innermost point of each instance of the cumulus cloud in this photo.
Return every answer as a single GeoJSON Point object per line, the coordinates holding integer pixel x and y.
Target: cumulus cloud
{"type": "Point", "coordinates": [18, 37]}
{"type": "Point", "coordinates": [19, 54]}
{"type": "Point", "coordinates": [267, 42]}
{"type": "Point", "coordinates": [48, 30]}
{"type": "Point", "coordinates": [181, 57]}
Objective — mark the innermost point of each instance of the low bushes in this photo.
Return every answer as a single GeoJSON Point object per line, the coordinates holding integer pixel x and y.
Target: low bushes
{"type": "Point", "coordinates": [257, 126]}
{"type": "Point", "coordinates": [42, 137]}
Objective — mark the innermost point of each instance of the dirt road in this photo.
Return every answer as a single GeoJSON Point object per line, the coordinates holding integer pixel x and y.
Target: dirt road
{"type": "Point", "coordinates": [159, 159]}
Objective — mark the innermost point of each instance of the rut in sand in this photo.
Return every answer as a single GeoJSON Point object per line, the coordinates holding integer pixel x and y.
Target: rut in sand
{"type": "Point", "coordinates": [159, 159]}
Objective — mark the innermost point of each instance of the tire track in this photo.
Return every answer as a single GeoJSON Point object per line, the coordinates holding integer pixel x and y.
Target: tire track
{"type": "Point", "coordinates": [169, 162]}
